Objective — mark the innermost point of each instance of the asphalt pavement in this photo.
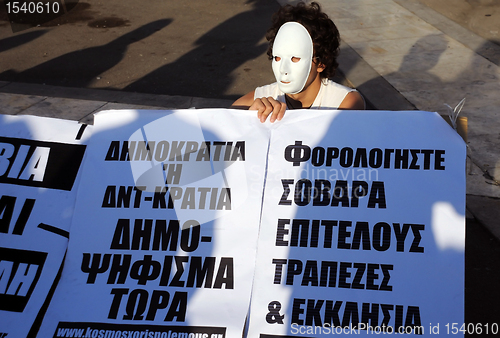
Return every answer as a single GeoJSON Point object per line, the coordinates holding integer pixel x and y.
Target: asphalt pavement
{"type": "Point", "coordinates": [400, 54]}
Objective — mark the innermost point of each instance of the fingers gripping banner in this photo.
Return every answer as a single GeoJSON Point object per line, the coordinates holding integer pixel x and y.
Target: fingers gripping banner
{"type": "Point", "coordinates": [40, 162]}
{"type": "Point", "coordinates": [363, 226]}
{"type": "Point", "coordinates": [165, 230]}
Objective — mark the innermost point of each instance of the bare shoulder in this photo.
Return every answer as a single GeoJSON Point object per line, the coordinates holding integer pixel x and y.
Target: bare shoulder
{"type": "Point", "coordinates": [244, 102]}
{"type": "Point", "coordinates": [353, 101]}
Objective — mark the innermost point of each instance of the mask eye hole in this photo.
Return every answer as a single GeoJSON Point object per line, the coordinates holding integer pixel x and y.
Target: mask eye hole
{"type": "Point", "coordinates": [295, 59]}
{"type": "Point", "coordinates": [277, 58]}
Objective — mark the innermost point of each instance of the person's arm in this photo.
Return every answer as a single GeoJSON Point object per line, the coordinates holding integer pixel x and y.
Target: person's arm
{"type": "Point", "coordinates": [243, 102]}
{"type": "Point", "coordinates": [353, 101]}
{"type": "Point", "coordinates": [265, 106]}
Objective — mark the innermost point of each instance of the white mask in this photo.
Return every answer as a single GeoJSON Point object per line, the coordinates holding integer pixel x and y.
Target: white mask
{"type": "Point", "coordinates": [292, 57]}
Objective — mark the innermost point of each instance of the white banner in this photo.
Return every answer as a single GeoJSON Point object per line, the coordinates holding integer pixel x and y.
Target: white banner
{"type": "Point", "coordinates": [164, 235]}
{"type": "Point", "coordinates": [363, 226]}
{"type": "Point", "coordinates": [40, 160]}
{"type": "Point", "coordinates": [358, 228]}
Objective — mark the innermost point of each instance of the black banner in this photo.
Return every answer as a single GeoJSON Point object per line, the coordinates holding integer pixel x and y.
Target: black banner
{"type": "Point", "coordinates": [70, 329]}
{"type": "Point", "coordinates": [19, 274]}
{"type": "Point", "coordinates": [39, 164]}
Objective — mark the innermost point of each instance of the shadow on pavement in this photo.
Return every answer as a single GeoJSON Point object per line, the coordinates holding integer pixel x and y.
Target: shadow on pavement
{"type": "Point", "coordinates": [207, 69]}
{"type": "Point", "coordinates": [80, 68]}
{"type": "Point", "coordinates": [18, 40]}
{"type": "Point", "coordinates": [482, 277]}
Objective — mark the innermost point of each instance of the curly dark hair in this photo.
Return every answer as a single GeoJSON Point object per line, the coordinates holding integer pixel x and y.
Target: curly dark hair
{"type": "Point", "coordinates": [324, 33]}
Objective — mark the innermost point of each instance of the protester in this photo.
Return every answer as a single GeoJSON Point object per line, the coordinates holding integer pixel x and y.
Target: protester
{"type": "Point", "coordinates": [303, 46]}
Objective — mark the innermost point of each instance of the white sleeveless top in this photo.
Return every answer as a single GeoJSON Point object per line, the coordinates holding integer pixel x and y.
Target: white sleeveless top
{"type": "Point", "coordinates": [330, 95]}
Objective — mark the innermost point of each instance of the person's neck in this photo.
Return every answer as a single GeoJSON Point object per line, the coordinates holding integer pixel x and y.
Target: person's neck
{"type": "Point", "coordinates": [305, 98]}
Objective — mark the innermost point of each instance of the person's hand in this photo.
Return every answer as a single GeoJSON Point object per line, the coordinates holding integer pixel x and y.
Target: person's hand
{"type": "Point", "coordinates": [267, 106]}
